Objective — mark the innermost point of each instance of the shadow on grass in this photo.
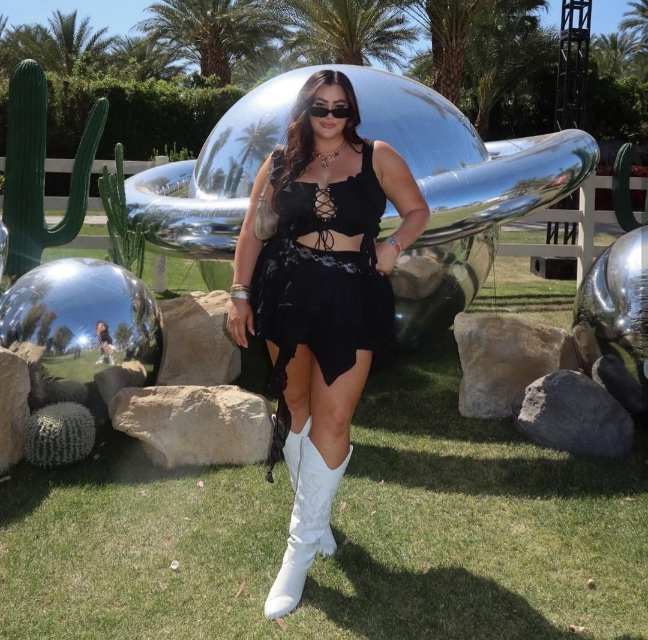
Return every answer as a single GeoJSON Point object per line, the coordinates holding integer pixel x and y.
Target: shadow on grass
{"type": "Point", "coordinates": [519, 477]}
{"type": "Point", "coordinates": [444, 602]}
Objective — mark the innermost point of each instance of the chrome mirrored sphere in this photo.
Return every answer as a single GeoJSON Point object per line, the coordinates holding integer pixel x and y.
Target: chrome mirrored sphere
{"type": "Point", "coordinates": [80, 316]}
{"type": "Point", "coordinates": [613, 301]}
{"type": "Point", "coordinates": [469, 186]}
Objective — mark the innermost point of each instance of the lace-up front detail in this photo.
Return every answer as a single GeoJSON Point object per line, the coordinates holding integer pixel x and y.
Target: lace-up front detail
{"type": "Point", "coordinates": [325, 210]}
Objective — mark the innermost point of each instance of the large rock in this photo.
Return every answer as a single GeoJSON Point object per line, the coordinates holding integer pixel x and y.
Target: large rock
{"type": "Point", "coordinates": [14, 408]}
{"type": "Point", "coordinates": [500, 356]}
{"type": "Point", "coordinates": [568, 411]}
{"type": "Point", "coordinates": [109, 381]}
{"type": "Point", "coordinates": [195, 425]}
{"type": "Point", "coordinates": [587, 347]}
{"type": "Point", "coordinates": [32, 354]}
{"type": "Point", "coordinates": [417, 277]}
{"type": "Point", "coordinates": [197, 350]}
{"type": "Point", "coordinates": [610, 372]}
{"type": "Point", "coordinates": [46, 389]}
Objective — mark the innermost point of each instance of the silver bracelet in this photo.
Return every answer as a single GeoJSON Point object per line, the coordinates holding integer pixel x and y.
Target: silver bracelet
{"type": "Point", "coordinates": [394, 241]}
{"type": "Point", "coordinates": [243, 295]}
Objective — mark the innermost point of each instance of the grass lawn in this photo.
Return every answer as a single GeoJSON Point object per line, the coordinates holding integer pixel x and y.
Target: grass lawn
{"type": "Point", "coordinates": [448, 527]}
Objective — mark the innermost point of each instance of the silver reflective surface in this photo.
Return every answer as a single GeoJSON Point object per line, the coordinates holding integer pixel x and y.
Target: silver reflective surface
{"type": "Point", "coordinates": [55, 309]}
{"type": "Point", "coordinates": [613, 301]}
{"type": "Point", "coordinates": [4, 248]}
{"type": "Point", "coordinates": [469, 186]}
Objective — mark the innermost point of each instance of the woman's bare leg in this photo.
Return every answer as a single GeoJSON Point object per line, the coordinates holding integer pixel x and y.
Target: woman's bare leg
{"type": "Point", "coordinates": [297, 392]}
{"type": "Point", "coordinates": [333, 407]}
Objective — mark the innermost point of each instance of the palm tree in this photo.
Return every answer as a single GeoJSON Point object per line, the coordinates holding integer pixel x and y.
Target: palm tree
{"type": "Point", "coordinates": [614, 52]}
{"type": "Point", "coordinates": [450, 24]}
{"type": "Point", "coordinates": [271, 61]}
{"type": "Point", "coordinates": [639, 67]}
{"type": "Point", "coordinates": [637, 19]}
{"type": "Point", "coordinates": [503, 59]}
{"type": "Point", "coordinates": [258, 140]}
{"type": "Point", "coordinates": [57, 47]}
{"type": "Point", "coordinates": [347, 31]}
{"type": "Point", "coordinates": [142, 58]}
{"type": "Point", "coordinates": [72, 42]}
{"type": "Point", "coordinates": [3, 24]}
{"type": "Point", "coordinates": [215, 34]}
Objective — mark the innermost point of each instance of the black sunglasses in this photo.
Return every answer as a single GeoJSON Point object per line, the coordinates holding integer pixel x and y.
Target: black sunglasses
{"type": "Point", "coordinates": [338, 112]}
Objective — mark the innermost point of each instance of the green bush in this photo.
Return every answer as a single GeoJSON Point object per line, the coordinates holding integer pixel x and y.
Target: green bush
{"type": "Point", "coordinates": [143, 115]}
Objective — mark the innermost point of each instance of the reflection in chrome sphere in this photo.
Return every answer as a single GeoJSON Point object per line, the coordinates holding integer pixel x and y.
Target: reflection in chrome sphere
{"type": "Point", "coordinates": [57, 307]}
{"type": "Point", "coordinates": [468, 185]}
{"type": "Point", "coordinates": [613, 301]}
{"type": "Point", "coordinates": [4, 247]}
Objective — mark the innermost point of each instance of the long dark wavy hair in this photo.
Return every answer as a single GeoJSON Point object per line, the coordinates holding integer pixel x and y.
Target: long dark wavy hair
{"type": "Point", "coordinates": [300, 145]}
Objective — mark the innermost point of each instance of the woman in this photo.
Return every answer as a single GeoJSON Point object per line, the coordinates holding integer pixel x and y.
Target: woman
{"type": "Point", "coordinates": [318, 293]}
{"type": "Point", "coordinates": [105, 342]}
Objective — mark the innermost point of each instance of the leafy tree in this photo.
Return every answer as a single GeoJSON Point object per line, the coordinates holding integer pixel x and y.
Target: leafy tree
{"type": "Point", "coordinates": [214, 34]}
{"type": "Point", "coordinates": [25, 41]}
{"type": "Point", "coordinates": [123, 334]}
{"type": "Point", "coordinates": [347, 31]}
{"type": "Point", "coordinates": [639, 65]}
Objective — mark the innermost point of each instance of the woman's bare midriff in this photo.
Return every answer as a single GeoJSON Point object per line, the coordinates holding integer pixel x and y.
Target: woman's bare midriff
{"type": "Point", "coordinates": [341, 242]}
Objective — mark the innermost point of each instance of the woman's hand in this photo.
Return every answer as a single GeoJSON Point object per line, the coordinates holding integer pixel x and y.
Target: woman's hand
{"type": "Point", "coordinates": [239, 317]}
{"type": "Point", "coordinates": [387, 254]}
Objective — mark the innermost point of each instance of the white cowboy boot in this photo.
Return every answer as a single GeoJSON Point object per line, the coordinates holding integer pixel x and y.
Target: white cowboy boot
{"type": "Point", "coordinates": [291, 451]}
{"type": "Point", "coordinates": [317, 485]}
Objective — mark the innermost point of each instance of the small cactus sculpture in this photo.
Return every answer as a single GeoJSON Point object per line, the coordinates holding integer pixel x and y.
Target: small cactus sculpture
{"type": "Point", "coordinates": [59, 434]}
{"type": "Point", "coordinates": [24, 212]}
{"type": "Point", "coordinates": [127, 245]}
{"type": "Point", "coordinates": [621, 190]}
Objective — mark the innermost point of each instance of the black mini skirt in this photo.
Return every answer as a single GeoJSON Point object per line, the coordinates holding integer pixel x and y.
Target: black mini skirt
{"type": "Point", "coordinates": [332, 301]}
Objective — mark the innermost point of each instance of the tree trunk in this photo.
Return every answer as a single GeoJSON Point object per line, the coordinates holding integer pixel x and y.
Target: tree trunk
{"type": "Point", "coordinates": [214, 62]}
{"type": "Point", "coordinates": [450, 74]}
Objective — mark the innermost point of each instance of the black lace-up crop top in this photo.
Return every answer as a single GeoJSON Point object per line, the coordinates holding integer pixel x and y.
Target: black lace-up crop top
{"type": "Point", "coordinates": [350, 206]}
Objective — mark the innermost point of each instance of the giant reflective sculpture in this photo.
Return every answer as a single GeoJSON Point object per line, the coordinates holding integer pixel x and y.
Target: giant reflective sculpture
{"type": "Point", "coordinates": [469, 186]}
{"type": "Point", "coordinates": [613, 301]}
{"type": "Point", "coordinates": [80, 316]}
{"type": "Point", "coordinates": [4, 247]}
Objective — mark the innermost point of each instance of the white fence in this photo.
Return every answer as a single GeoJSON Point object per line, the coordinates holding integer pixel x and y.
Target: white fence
{"type": "Point", "coordinates": [584, 250]}
{"type": "Point", "coordinates": [586, 216]}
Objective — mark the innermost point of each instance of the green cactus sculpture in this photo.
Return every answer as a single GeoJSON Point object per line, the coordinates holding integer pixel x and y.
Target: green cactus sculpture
{"type": "Point", "coordinates": [127, 245]}
{"type": "Point", "coordinates": [621, 190]}
{"type": "Point", "coordinates": [24, 213]}
{"type": "Point", "coordinates": [59, 434]}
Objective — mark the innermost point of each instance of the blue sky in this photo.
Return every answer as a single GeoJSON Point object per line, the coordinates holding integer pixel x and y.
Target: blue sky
{"type": "Point", "coordinates": [122, 15]}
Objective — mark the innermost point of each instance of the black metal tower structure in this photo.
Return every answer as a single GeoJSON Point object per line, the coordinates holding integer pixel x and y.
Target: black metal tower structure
{"type": "Point", "coordinates": [573, 61]}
